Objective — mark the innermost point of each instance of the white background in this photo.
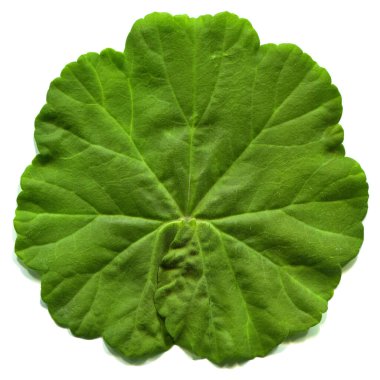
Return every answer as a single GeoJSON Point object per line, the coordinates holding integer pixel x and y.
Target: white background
{"type": "Point", "coordinates": [39, 37]}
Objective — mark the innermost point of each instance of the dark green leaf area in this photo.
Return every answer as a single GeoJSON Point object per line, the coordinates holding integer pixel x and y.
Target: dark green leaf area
{"type": "Point", "coordinates": [192, 190]}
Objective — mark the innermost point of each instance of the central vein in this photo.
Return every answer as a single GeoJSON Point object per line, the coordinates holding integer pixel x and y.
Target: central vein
{"type": "Point", "coordinates": [192, 123]}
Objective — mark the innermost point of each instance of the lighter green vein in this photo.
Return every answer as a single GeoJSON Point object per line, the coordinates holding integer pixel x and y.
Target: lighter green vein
{"type": "Point", "coordinates": [101, 269]}
{"type": "Point", "coordinates": [45, 182]}
{"type": "Point", "coordinates": [288, 296]}
{"type": "Point", "coordinates": [279, 107]}
{"type": "Point", "coordinates": [217, 76]}
{"type": "Point", "coordinates": [232, 164]}
{"type": "Point", "coordinates": [74, 233]}
{"type": "Point", "coordinates": [272, 263]}
{"type": "Point", "coordinates": [191, 130]}
{"type": "Point", "coordinates": [313, 173]}
{"type": "Point", "coordinates": [92, 304]}
{"type": "Point", "coordinates": [320, 229]}
{"type": "Point", "coordinates": [306, 113]}
{"type": "Point", "coordinates": [97, 77]}
{"type": "Point", "coordinates": [168, 193]}
{"type": "Point", "coordinates": [96, 146]}
{"type": "Point", "coordinates": [150, 275]}
{"type": "Point", "coordinates": [132, 109]}
{"type": "Point", "coordinates": [143, 159]}
{"type": "Point", "coordinates": [211, 317]}
{"type": "Point", "coordinates": [291, 205]}
{"type": "Point", "coordinates": [168, 79]}
{"type": "Point", "coordinates": [338, 180]}
{"type": "Point", "coordinates": [245, 302]}
{"type": "Point", "coordinates": [82, 85]}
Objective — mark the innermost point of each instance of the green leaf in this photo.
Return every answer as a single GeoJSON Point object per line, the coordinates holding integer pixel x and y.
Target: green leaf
{"type": "Point", "coordinates": [192, 190]}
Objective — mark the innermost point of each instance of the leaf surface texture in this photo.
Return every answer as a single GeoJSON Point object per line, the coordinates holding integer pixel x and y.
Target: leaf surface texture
{"type": "Point", "coordinates": [192, 190]}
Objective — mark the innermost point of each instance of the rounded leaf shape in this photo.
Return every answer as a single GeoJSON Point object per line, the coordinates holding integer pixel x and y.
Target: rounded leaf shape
{"type": "Point", "coordinates": [192, 190]}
